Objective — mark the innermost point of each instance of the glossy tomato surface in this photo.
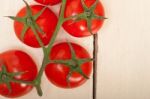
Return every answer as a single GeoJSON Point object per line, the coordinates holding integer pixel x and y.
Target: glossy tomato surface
{"type": "Point", "coordinates": [46, 21]}
{"type": "Point", "coordinates": [48, 2]}
{"type": "Point", "coordinates": [79, 28]}
{"type": "Point", "coordinates": [17, 61]}
{"type": "Point", "coordinates": [57, 73]}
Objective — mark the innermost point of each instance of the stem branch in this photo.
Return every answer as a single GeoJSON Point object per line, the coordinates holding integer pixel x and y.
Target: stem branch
{"type": "Point", "coordinates": [47, 51]}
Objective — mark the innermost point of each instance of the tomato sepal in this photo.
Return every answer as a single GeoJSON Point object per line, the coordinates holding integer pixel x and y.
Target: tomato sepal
{"type": "Point", "coordinates": [29, 21]}
{"type": "Point", "coordinates": [88, 15]}
{"type": "Point", "coordinates": [74, 64]}
{"type": "Point", "coordinates": [7, 78]}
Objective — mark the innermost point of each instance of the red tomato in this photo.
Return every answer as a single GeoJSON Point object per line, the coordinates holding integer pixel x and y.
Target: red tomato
{"type": "Point", "coordinates": [47, 22]}
{"type": "Point", "coordinates": [79, 28]}
{"type": "Point", "coordinates": [48, 2]}
{"type": "Point", "coordinates": [57, 73]}
{"type": "Point", "coordinates": [17, 61]}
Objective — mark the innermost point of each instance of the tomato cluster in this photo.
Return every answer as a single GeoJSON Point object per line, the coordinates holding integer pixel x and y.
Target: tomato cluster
{"type": "Point", "coordinates": [66, 65]}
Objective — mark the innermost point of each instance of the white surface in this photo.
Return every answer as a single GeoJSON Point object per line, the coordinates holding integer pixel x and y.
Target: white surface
{"type": "Point", "coordinates": [124, 52]}
{"type": "Point", "coordinates": [8, 40]}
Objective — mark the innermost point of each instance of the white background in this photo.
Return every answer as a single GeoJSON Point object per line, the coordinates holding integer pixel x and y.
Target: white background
{"type": "Point", "coordinates": [124, 50]}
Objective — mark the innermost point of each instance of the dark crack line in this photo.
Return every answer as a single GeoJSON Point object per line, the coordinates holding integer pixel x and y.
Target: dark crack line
{"type": "Point", "coordinates": [95, 55]}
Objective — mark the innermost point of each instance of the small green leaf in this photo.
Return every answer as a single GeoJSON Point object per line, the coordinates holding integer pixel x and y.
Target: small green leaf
{"type": "Point", "coordinates": [29, 12]}
{"type": "Point", "coordinates": [84, 5]}
{"type": "Point", "coordinates": [65, 62]}
{"type": "Point", "coordinates": [8, 86]}
{"type": "Point", "coordinates": [79, 70]}
{"type": "Point", "coordinates": [1, 73]}
{"type": "Point", "coordinates": [17, 19]}
{"type": "Point", "coordinates": [98, 17]}
{"type": "Point", "coordinates": [37, 36]}
{"type": "Point", "coordinates": [25, 28]}
{"type": "Point", "coordinates": [76, 20]}
{"type": "Point", "coordinates": [39, 29]}
{"type": "Point", "coordinates": [35, 17]}
{"type": "Point", "coordinates": [94, 5]}
{"type": "Point", "coordinates": [81, 61]}
{"type": "Point", "coordinates": [16, 74]}
{"type": "Point", "coordinates": [72, 51]}
{"type": "Point", "coordinates": [39, 13]}
{"type": "Point", "coordinates": [4, 70]}
{"type": "Point", "coordinates": [89, 25]}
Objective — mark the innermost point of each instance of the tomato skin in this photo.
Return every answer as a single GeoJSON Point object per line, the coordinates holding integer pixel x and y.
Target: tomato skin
{"type": "Point", "coordinates": [48, 2]}
{"type": "Point", "coordinates": [79, 28]}
{"type": "Point", "coordinates": [44, 22]}
{"type": "Point", "coordinates": [18, 61]}
{"type": "Point", "coordinates": [57, 73]}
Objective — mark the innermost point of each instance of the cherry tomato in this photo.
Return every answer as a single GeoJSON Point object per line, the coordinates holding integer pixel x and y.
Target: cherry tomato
{"type": "Point", "coordinates": [46, 21]}
{"type": "Point", "coordinates": [79, 28]}
{"type": "Point", "coordinates": [58, 73]}
{"type": "Point", "coordinates": [17, 61]}
{"type": "Point", "coordinates": [48, 2]}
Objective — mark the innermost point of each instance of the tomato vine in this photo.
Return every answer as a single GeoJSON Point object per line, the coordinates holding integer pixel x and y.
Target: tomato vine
{"type": "Point", "coordinates": [30, 22]}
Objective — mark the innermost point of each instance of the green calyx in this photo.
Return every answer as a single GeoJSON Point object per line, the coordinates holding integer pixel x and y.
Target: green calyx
{"type": "Point", "coordinates": [7, 78]}
{"type": "Point", "coordinates": [29, 21]}
{"type": "Point", "coordinates": [88, 15]}
{"type": "Point", "coordinates": [74, 64]}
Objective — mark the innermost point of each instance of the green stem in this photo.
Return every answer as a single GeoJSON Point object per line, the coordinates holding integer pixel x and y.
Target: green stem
{"type": "Point", "coordinates": [60, 22]}
{"type": "Point", "coordinates": [74, 17]}
{"type": "Point", "coordinates": [46, 59]}
{"type": "Point", "coordinates": [39, 90]}
{"type": "Point", "coordinates": [37, 81]}
{"type": "Point", "coordinates": [38, 38]}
